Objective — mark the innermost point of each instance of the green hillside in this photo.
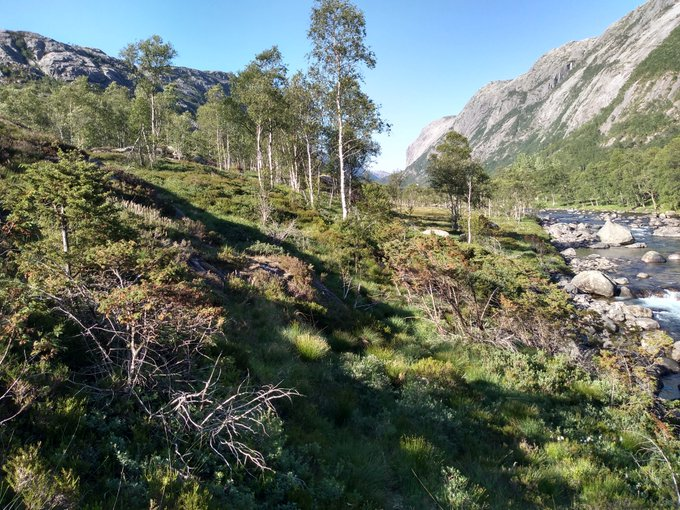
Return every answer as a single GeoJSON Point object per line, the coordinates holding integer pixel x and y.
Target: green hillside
{"type": "Point", "coordinates": [301, 363]}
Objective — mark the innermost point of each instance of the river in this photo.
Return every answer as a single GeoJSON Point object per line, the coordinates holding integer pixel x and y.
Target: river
{"type": "Point", "coordinates": [660, 292]}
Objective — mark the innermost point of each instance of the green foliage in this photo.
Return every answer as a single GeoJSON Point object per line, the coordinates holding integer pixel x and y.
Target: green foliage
{"type": "Point", "coordinates": [631, 177]}
{"type": "Point", "coordinates": [37, 486]}
{"type": "Point", "coordinates": [310, 345]}
{"type": "Point", "coordinates": [661, 60]}
{"type": "Point", "coordinates": [452, 171]}
{"type": "Point", "coordinates": [63, 207]}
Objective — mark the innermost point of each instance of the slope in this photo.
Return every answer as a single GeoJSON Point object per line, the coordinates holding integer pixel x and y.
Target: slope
{"type": "Point", "coordinates": [397, 403]}
{"type": "Point", "coordinates": [570, 86]}
{"type": "Point", "coordinates": [26, 55]}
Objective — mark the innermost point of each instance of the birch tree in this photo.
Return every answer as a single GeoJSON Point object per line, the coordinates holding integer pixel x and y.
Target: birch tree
{"type": "Point", "coordinates": [338, 56]}
{"type": "Point", "coordinates": [150, 61]}
{"type": "Point", "coordinates": [305, 111]}
{"type": "Point", "coordinates": [259, 88]}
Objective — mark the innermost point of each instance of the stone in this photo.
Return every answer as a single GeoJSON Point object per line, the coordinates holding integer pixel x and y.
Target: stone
{"type": "Point", "coordinates": [436, 232]}
{"type": "Point", "coordinates": [675, 351]}
{"type": "Point", "coordinates": [592, 262]}
{"type": "Point", "coordinates": [610, 325]}
{"type": "Point", "coordinates": [653, 257]}
{"type": "Point", "coordinates": [594, 282]}
{"type": "Point", "coordinates": [569, 253]}
{"type": "Point", "coordinates": [637, 246]}
{"type": "Point", "coordinates": [616, 312]}
{"type": "Point", "coordinates": [667, 231]}
{"type": "Point", "coordinates": [625, 293]}
{"type": "Point", "coordinates": [566, 235]}
{"type": "Point", "coordinates": [638, 311]}
{"type": "Point", "coordinates": [670, 364]}
{"type": "Point", "coordinates": [599, 246]}
{"type": "Point", "coordinates": [674, 257]}
{"type": "Point", "coordinates": [621, 281]}
{"type": "Point", "coordinates": [646, 324]}
{"type": "Point", "coordinates": [642, 276]}
{"type": "Point", "coordinates": [615, 234]}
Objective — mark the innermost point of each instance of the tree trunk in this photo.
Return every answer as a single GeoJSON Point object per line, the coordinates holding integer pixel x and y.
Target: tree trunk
{"type": "Point", "coordinates": [258, 139]}
{"type": "Point", "coordinates": [469, 211]}
{"type": "Point", "coordinates": [310, 180]}
{"type": "Point", "coordinates": [269, 159]}
{"type": "Point", "coordinates": [294, 180]}
{"type": "Point", "coordinates": [454, 220]}
{"type": "Point", "coordinates": [341, 156]}
{"type": "Point", "coordinates": [228, 153]}
{"type": "Point", "coordinates": [63, 224]}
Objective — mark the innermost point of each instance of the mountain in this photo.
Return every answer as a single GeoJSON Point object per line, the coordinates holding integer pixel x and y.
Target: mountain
{"type": "Point", "coordinates": [625, 81]}
{"type": "Point", "coordinates": [26, 55]}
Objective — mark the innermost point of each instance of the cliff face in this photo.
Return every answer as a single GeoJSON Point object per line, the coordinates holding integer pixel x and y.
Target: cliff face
{"type": "Point", "coordinates": [566, 88]}
{"type": "Point", "coordinates": [25, 55]}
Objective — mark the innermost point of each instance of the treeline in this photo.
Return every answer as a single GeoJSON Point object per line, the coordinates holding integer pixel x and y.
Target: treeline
{"type": "Point", "coordinates": [301, 129]}
{"type": "Point", "coordinates": [632, 177]}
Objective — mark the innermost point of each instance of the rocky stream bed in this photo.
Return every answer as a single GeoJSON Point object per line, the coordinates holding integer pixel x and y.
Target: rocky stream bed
{"type": "Point", "coordinates": [626, 269]}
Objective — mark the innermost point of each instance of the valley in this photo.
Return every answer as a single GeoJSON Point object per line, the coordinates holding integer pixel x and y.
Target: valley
{"type": "Point", "coordinates": [210, 299]}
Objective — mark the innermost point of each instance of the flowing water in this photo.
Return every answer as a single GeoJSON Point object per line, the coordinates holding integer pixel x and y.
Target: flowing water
{"type": "Point", "coordinates": [660, 292]}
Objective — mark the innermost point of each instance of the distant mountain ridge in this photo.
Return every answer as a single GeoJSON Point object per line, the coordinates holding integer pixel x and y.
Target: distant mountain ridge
{"type": "Point", "coordinates": [611, 79]}
{"type": "Point", "coordinates": [27, 55]}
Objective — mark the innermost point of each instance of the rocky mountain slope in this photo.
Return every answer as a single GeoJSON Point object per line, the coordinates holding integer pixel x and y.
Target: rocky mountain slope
{"type": "Point", "coordinates": [26, 55]}
{"type": "Point", "coordinates": [631, 70]}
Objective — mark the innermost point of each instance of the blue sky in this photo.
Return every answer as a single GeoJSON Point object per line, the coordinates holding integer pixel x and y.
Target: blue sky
{"type": "Point", "coordinates": [432, 54]}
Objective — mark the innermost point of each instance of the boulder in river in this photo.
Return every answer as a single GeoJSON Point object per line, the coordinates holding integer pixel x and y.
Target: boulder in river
{"type": "Point", "coordinates": [625, 293]}
{"type": "Point", "coordinates": [674, 257]}
{"type": "Point", "coordinates": [594, 282]}
{"type": "Point", "coordinates": [667, 231]}
{"type": "Point", "coordinates": [637, 245]}
{"type": "Point", "coordinates": [642, 276]}
{"type": "Point", "coordinates": [653, 257]}
{"type": "Point", "coordinates": [569, 253]}
{"type": "Point", "coordinates": [598, 246]}
{"type": "Point", "coordinates": [675, 352]}
{"type": "Point", "coordinates": [565, 235]}
{"type": "Point", "coordinates": [670, 364]}
{"type": "Point", "coordinates": [614, 234]}
{"type": "Point", "coordinates": [638, 311]}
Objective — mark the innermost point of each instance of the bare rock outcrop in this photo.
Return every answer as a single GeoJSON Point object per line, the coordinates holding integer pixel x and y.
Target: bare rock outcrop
{"type": "Point", "coordinates": [566, 88]}
{"type": "Point", "coordinates": [30, 55]}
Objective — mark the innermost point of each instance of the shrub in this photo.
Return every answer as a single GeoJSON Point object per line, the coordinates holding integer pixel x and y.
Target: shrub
{"type": "Point", "coordinates": [460, 493]}
{"type": "Point", "coordinates": [299, 277]}
{"type": "Point", "coordinates": [422, 455]}
{"type": "Point", "coordinates": [36, 485]}
{"type": "Point", "coordinates": [441, 373]}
